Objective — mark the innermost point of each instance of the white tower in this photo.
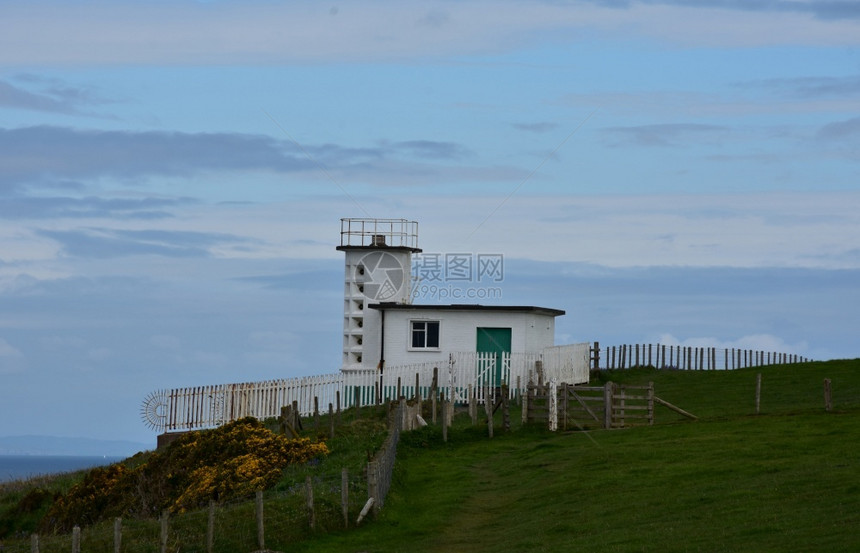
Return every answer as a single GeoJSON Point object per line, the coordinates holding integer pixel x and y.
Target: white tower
{"type": "Point", "coordinates": [378, 269]}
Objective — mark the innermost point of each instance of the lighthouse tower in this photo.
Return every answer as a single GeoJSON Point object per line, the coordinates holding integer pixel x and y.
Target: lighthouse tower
{"type": "Point", "coordinates": [378, 269]}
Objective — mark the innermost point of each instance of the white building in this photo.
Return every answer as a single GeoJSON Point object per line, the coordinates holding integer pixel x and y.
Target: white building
{"type": "Point", "coordinates": [382, 328]}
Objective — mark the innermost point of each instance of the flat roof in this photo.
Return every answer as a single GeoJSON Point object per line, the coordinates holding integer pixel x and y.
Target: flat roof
{"type": "Point", "coordinates": [468, 307]}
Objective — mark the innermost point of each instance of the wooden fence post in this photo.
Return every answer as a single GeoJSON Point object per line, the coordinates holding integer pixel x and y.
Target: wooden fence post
{"type": "Point", "coordinates": [651, 403]}
{"type": "Point", "coordinates": [595, 356]}
{"type": "Point", "coordinates": [34, 543]}
{"type": "Point", "coordinates": [434, 391]}
{"type": "Point", "coordinates": [164, 530]}
{"type": "Point", "coordinates": [525, 401]}
{"type": "Point", "coordinates": [337, 405]}
{"type": "Point", "coordinates": [210, 528]}
{"type": "Point", "coordinates": [282, 422]}
{"type": "Point", "coordinates": [76, 539]}
{"type": "Point", "coordinates": [258, 504]}
{"type": "Point", "coordinates": [488, 407]}
{"type": "Point", "coordinates": [473, 405]}
{"type": "Point", "coordinates": [372, 486]}
{"type": "Point", "coordinates": [828, 397]}
{"type": "Point", "coordinates": [607, 404]}
{"type": "Point", "coordinates": [316, 413]}
{"type": "Point", "coordinates": [552, 403]}
{"type": "Point", "coordinates": [117, 535]}
{"type": "Point", "coordinates": [330, 420]}
{"type": "Point", "coordinates": [506, 411]}
{"type": "Point", "coordinates": [344, 496]}
{"type": "Point", "coordinates": [445, 420]}
{"type": "Point", "coordinates": [309, 491]}
{"type": "Point", "coordinates": [565, 401]}
{"type": "Point", "coordinates": [758, 394]}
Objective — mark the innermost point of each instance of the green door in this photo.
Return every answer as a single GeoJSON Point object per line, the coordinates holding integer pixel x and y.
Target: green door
{"type": "Point", "coordinates": [498, 341]}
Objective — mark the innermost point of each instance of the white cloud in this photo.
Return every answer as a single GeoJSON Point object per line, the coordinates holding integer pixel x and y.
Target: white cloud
{"type": "Point", "coordinates": [262, 32]}
{"type": "Point", "coordinates": [815, 230]}
{"type": "Point", "coordinates": [11, 360]}
{"type": "Point", "coordinates": [6, 350]}
{"type": "Point", "coordinates": [754, 342]}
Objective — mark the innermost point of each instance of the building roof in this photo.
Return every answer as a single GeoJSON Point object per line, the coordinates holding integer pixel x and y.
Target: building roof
{"type": "Point", "coordinates": [468, 307]}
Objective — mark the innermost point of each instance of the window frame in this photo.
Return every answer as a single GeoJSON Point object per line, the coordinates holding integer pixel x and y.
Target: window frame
{"type": "Point", "coordinates": [426, 334]}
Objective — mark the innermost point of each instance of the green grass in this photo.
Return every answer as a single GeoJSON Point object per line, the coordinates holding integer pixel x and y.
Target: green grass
{"type": "Point", "coordinates": [785, 480]}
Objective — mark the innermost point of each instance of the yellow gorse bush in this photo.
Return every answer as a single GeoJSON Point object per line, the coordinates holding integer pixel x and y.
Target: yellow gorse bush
{"type": "Point", "coordinates": [236, 459]}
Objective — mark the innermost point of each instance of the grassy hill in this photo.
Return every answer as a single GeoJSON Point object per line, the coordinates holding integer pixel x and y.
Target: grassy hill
{"type": "Point", "coordinates": [785, 480]}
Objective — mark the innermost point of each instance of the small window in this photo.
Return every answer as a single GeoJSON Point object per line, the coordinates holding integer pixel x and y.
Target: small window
{"type": "Point", "coordinates": [425, 335]}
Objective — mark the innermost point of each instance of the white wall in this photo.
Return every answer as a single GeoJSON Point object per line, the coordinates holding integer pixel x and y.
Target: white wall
{"type": "Point", "coordinates": [530, 332]}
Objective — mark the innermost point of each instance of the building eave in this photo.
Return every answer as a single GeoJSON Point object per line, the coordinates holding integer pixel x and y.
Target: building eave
{"type": "Point", "coordinates": [547, 311]}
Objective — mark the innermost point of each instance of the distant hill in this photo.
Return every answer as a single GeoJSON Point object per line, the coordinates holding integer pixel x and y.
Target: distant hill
{"type": "Point", "coordinates": [53, 445]}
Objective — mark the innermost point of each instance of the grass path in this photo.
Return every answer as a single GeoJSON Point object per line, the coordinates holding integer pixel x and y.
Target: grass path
{"type": "Point", "coordinates": [784, 481]}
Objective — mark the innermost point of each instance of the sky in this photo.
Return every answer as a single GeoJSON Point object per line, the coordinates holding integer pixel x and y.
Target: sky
{"type": "Point", "coordinates": [173, 175]}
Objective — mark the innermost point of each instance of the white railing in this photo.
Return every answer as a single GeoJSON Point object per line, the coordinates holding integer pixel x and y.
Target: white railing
{"type": "Point", "coordinates": [462, 373]}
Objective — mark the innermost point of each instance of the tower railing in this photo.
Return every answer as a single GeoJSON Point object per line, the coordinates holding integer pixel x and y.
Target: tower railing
{"type": "Point", "coordinates": [379, 232]}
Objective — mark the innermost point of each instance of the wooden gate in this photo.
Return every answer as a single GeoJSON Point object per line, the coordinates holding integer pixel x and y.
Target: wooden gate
{"type": "Point", "coordinates": [631, 405]}
{"type": "Point", "coordinates": [588, 407]}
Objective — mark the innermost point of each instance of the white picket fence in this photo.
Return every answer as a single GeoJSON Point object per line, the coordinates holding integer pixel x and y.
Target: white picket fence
{"type": "Point", "coordinates": [459, 375]}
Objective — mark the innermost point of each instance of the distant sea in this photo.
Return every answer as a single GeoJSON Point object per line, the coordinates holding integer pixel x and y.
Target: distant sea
{"type": "Point", "coordinates": [18, 467]}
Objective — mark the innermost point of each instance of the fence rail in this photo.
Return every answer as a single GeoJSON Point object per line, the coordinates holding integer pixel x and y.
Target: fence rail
{"type": "Point", "coordinates": [664, 356]}
{"type": "Point", "coordinates": [462, 374]}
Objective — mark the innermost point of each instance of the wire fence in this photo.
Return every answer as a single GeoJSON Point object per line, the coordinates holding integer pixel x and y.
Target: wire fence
{"type": "Point", "coordinates": [277, 520]}
{"type": "Point", "coordinates": [380, 469]}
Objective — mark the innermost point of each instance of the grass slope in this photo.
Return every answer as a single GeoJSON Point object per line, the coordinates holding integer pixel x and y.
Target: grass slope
{"type": "Point", "coordinates": [785, 480]}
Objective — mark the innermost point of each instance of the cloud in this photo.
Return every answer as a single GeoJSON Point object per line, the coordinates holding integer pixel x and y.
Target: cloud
{"type": "Point", "coordinates": [755, 342]}
{"type": "Point", "coordinates": [432, 149]}
{"type": "Point", "coordinates": [434, 18]}
{"type": "Point", "coordinates": [258, 32]}
{"type": "Point", "coordinates": [847, 87]}
{"type": "Point", "coordinates": [7, 350]}
{"type": "Point", "coordinates": [48, 153]}
{"type": "Point", "coordinates": [11, 359]}
{"type": "Point", "coordinates": [104, 243]}
{"type": "Point", "coordinates": [840, 130]}
{"type": "Point", "coordinates": [60, 157]}
{"type": "Point", "coordinates": [55, 97]}
{"type": "Point", "coordinates": [820, 9]}
{"type": "Point", "coordinates": [541, 127]}
{"type": "Point", "coordinates": [22, 207]}
{"type": "Point", "coordinates": [14, 97]}
{"type": "Point", "coordinates": [664, 135]}
{"type": "Point", "coordinates": [291, 281]}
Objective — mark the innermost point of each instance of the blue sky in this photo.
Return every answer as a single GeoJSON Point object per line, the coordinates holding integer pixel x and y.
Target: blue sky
{"type": "Point", "coordinates": [172, 175]}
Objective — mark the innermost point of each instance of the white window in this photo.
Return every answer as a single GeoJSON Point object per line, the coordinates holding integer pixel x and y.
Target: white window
{"type": "Point", "coordinates": [425, 335]}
